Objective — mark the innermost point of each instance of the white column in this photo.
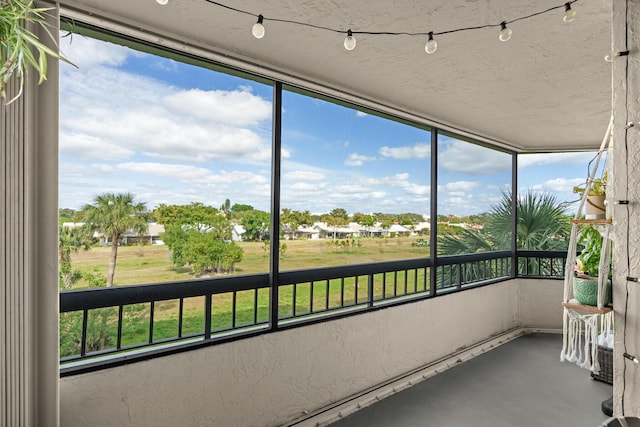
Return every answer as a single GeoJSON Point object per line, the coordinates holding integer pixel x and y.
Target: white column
{"type": "Point", "coordinates": [28, 250]}
{"type": "Point", "coordinates": [626, 164]}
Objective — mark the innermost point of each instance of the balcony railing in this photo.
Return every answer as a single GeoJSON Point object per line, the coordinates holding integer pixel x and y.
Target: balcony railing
{"type": "Point", "coordinates": [105, 327]}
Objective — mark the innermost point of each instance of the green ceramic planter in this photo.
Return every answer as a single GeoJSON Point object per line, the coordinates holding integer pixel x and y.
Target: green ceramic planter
{"type": "Point", "coordinates": [585, 291]}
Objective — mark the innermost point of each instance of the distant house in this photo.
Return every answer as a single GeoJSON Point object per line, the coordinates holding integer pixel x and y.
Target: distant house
{"type": "Point", "coordinates": [326, 231]}
{"type": "Point", "coordinates": [236, 232]}
{"type": "Point", "coordinates": [150, 237]}
{"type": "Point", "coordinates": [397, 229]}
{"type": "Point", "coordinates": [302, 232]}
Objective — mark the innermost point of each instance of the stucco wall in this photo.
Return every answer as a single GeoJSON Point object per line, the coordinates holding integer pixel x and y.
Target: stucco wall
{"type": "Point", "coordinates": [539, 303]}
{"type": "Point", "coordinates": [267, 380]}
{"type": "Point", "coordinates": [626, 218]}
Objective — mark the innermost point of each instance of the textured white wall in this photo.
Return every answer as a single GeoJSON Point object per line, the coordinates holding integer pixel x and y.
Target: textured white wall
{"type": "Point", "coordinates": [267, 380]}
{"type": "Point", "coordinates": [626, 255]}
{"type": "Point", "coordinates": [539, 303]}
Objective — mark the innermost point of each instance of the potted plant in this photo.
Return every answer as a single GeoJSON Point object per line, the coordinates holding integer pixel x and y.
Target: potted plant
{"type": "Point", "coordinates": [595, 208]}
{"type": "Point", "coordinates": [585, 283]}
{"type": "Point", "coordinates": [20, 48]}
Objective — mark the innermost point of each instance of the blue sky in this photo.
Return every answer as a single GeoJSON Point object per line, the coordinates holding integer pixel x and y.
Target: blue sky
{"type": "Point", "coordinates": [174, 133]}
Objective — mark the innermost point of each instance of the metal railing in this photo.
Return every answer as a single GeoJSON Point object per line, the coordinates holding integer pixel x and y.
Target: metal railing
{"type": "Point", "coordinates": [99, 327]}
{"type": "Point", "coordinates": [542, 264]}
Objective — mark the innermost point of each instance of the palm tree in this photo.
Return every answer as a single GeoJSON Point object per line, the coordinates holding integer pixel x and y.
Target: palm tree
{"type": "Point", "coordinates": [70, 240]}
{"type": "Point", "coordinates": [113, 215]}
{"type": "Point", "coordinates": [542, 224]}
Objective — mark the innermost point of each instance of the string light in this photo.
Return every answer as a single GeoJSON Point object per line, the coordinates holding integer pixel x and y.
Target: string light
{"type": "Point", "coordinates": [431, 45]}
{"type": "Point", "coordinates": [569, 14]}
{"type": "Point", "coordinates": [258, 29]}
{"type": "Point", "coordinates": [350, 41]}
{"type": "Point", "coordinates": [613, 55]}
{"type": "Point", "coordinates": [505, 33]}
{"type": "Point", "coordinates": [162, 2]}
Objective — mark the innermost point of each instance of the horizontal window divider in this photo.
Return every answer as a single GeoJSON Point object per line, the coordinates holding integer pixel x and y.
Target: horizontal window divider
{"type": "Point", "coordinates": [482, 256]}
{"type": "Point", "coordinates": [303, 276]}
{"type": "Point", "coordinates": [135, 294]}
{"type": "Point", "coordinates": [541, 254]}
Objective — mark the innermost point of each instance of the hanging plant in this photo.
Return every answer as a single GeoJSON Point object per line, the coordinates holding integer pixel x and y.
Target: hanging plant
{"type": "Point", "coordinates": [21, 48]}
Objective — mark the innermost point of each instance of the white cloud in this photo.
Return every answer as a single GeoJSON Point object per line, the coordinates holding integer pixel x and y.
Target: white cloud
{"type": "Point", "coordinates": [581, 158]}
{"type": "Point", "coordinates": [88, 53]}
{"type": "Point", "coordinates": [239, 107]}
{"type": "Point", "coordinates": [557, 185]}
{"type": "Point", "coordinates": [460, 156]}
{"type": "Point", "coordinates": [361, 114]}
{"type": "Point", "coordinates": [88, 147]}
{"type": "Point", "coordinates": [418, 151]}
{"type": "Point", "coordinates": [357, 159]}
{"type": "Point", "coordinates": [461, 186]}
{"type": "Point", "coordinates": [131, 113]}
{"type": "Point", "coordinates": [304, 176]}
{"type": "Point", "coordinates": [194, 175]}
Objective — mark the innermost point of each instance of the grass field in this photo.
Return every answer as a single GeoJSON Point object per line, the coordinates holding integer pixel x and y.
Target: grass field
{"type": "Point", "coordinates": [152, 264]}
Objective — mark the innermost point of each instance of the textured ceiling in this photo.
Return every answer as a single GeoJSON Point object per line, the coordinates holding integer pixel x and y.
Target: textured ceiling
{"type": "Point", "coordinates": [547, 89]}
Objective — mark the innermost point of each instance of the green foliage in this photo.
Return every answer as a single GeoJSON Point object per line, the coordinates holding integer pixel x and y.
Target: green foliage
{"type": "Point", "coordinates": [295, 219]}
{"type": "Point", "coordinates": [598, 186]}
{"type": "Point", "coordinates": [203, 251]}
{"type": "Point", "coordinates": [463, 241]}
{"type": "Point", "coordinates": [95, 279]}
{"type": "Point", "coordinates": [71, 240]}
{"type": "Point", "coordinates": [421, 243]}
{"type": "Point", "coordinates": [542, 222]}
{"type": "Point", "coordinates": [256, 225]}
{"type": "Point", "coordinates": [226, 208]}
{"type": "Point", "coordinates": [240, 208]}
{"type": "Point", "coordinates": [21, 48]}
{"type": "Point", "coordinates": [66, 215]}
{"type": "Point", "coordinates": [541, 225]}
{"type": "Point", "coordinates": [346, 245]}
{"type": "Point", "coordinates": [194, 214]}
{"type": "Point", "coordinates": [113, 215]}
{"type": "Point", "coordinates": [589, 258]}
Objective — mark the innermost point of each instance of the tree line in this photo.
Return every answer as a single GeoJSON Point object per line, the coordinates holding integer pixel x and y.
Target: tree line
{"type": "Point", "coordinates": [200, 236]}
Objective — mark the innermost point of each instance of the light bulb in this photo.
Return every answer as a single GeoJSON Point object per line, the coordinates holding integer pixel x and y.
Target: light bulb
{"type": "Point", "coordinates": [350, 41]}
{"type": "Point", "coordinates": [431, 45]}
{"type": "Point", "coordinates": [258, 28]}
{"type": "Point", "coordinates": [614, 54]}
{"type": "Point", "coordinates": [569, 14]}
{"type": "Point", "coordinates": [162, 2]}
{"type": "Point", "coordinates": [505, 33]}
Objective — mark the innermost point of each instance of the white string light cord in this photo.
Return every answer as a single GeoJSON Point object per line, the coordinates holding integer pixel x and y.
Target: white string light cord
{"type": "Point", "coordinates": [258, 30]}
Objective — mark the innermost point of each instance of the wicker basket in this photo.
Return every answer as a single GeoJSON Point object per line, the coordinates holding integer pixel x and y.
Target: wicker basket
{"type": "Point", "coordinates": [605, 359]}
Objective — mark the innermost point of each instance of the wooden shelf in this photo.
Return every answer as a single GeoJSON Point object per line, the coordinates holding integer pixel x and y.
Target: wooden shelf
{"type": "Point", "coordinates": [588, 308]}
{"type": "Point", "coordinates": [592, 221]}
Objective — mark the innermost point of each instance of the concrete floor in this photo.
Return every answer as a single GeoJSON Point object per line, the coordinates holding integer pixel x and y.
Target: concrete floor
{"type": "Point", "coordinates": [519, 384]}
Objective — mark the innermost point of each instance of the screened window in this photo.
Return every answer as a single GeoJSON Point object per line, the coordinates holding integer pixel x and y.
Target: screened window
{"type": "Point", "coordinates": [355, 186]}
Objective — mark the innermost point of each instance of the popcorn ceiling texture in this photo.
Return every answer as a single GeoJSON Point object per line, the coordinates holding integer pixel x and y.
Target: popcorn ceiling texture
{"type": "Point", "coordinates": [626, 170]}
